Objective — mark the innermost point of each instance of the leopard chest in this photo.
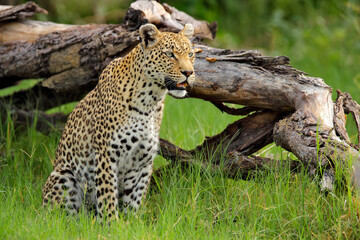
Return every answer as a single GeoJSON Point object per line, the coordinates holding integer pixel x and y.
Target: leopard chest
{"type": "Point", "coordinates": [134, 145]}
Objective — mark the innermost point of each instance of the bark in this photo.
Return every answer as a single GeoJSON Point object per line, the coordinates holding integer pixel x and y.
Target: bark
{"type": "Point", "coordinates": [237, 166]}
{"type": "Point", "coordinates": [166, 16]}
{"type": "Point", "coordinates": [70, 61]}
{"type": "Point", "coordinates": [70, 58]}
{"type": "Point", "coordinates": [282, 103]}
{"type": "Point", "coordinates": [20, 12]}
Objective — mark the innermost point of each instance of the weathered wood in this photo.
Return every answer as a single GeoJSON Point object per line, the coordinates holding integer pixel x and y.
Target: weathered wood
{"type": "Point", "coordinates": [340, 118]}
{"type": "Point", "coordinates": [258, 83]}
{"type": "Point", "coordinates": [235, 111]}
{"type": "Point", "coordinates": [20, 12]}
{"type": "Point", "coordinates": [141, 12]}
{"type": "Point", "coordinates": [28, 30]}
{"type": "Point", "coordinates": [70, 58]}
{"type": "Point", "coordinates": [76, 53]}
{"type": "Point", "coordinates": [350, 106]}
{"type": "Point", "coordinates": [238, 166]}
{"type": "Point", "coordinates": [265, 84]}
{"type": "Point", "coordinates": [245, 136]}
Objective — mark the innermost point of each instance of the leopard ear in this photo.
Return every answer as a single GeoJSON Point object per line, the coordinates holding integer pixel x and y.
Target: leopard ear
{"type": "Point", "coordinates": [149, 35]}
{"type": "Point", "coordinates": [188, 30]}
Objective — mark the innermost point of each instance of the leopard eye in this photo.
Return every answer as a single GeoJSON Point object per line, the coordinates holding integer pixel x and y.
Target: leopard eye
{"type": "Point", "coordinates": [169, 54]}
{"type": "Point", "coordinates": [191, 54]}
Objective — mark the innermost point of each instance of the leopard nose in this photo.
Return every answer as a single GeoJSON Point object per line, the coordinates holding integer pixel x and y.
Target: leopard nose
{"type": "Point", "coordinates": [187, 73]}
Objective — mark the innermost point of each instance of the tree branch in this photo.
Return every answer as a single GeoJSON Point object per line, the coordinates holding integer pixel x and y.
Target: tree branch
{"type": "Point", "coordinates": [20, 12]}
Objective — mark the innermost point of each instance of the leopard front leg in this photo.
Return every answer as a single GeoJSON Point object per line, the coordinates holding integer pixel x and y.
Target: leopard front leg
{"type": "Point", "coordinates": [63, 189]}
{"type": "Point", "coordinates": [136, 183]}
{"type": "Point", "coordinates": [106, 187]}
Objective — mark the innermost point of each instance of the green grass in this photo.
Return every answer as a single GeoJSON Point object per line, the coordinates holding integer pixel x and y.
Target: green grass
{"type": "Point", "coordinates": [183, 204]}
{"type": "Point", "coordinates": [21, 85]}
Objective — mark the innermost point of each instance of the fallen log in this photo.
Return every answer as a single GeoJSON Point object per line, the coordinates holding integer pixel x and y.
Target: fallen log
{"type": "Point", "coordinates": [283, 104]}
{"type": "Point", "coordinates": [70, 58]}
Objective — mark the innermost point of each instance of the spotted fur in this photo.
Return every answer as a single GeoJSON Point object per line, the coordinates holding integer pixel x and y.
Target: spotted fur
{"type": "Point", "coordinates": [104, 159]}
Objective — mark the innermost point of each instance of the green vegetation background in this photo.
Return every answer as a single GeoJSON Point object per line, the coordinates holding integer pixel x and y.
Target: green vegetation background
{"type": "Point", "coordinates": [322, 38]}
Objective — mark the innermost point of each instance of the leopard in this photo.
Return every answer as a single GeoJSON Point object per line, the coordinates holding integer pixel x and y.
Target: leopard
{"type": "Point", "coordinates": [104, 159]}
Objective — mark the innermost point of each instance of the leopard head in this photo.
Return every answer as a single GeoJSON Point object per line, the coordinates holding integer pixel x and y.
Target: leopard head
{"type": "Point", "coordinates": [168, 58]}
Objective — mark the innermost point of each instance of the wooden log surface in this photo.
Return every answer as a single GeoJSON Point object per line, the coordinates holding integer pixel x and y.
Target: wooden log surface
{"type": "Point", "coordinates": [20, 12]}
{"type": "Point", "coordinates": [70, 58]}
